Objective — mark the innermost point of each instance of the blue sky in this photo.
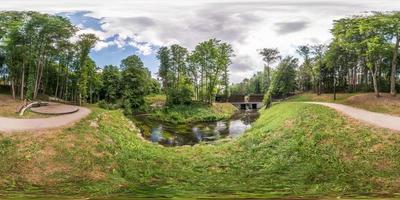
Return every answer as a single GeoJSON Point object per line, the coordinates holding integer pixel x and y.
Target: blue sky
{"type": "Point", "coordinates": [111, 55]}
{"type": "Point", "coordinates": [140, 27]}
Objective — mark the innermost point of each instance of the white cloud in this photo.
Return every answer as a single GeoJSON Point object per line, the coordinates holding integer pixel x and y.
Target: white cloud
{"type": "Point", "coordinates": [247, 25]}
{"type": "Point", "coordinates": [101, 45]}
{"type": "Point", "coordinates": [144, 48]}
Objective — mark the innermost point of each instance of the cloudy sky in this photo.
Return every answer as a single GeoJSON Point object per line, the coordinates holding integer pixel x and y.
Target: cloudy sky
{"type": "Point", "coordinates": [142, 26]}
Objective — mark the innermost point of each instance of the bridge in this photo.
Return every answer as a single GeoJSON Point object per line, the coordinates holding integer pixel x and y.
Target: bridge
{"type": "Point", "coordinates": [244, 102]}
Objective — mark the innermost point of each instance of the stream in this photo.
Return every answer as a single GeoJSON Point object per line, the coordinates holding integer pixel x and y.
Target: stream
{"type": "Point", "coordinates": [171, 135]}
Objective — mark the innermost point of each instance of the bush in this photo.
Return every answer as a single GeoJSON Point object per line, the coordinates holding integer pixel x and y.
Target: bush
{"type": "Point", "coordinates": [109, 106]}
{"type": "Point", "coordinates": [181, 96]}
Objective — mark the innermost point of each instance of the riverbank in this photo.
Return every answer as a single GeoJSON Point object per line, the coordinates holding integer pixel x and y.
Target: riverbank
{"type": "Point", "coordinates": [180, 114]}
{"type": "Point", "coordinates": [293, 149]}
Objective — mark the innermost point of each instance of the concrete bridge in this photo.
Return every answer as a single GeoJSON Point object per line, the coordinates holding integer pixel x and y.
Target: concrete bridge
{"type": "Point", "coordinates": [244, 102]}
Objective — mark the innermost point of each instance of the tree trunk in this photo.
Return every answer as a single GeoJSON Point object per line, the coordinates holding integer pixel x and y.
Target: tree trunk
{"type": "Point", "coordinates": [36, 81]}
{"type": "Point", "coordinates": [354, 79]}
{"type": "Point", "coordinates": [319, 87]}
{"type": "Point", "coordinates": [394, 67]}
{"type": "Point", "coordinates": [58, 80]}
{"type": "Point", "coordinates": [22, 81]}
{"type": "Point", "coordinates": [91, 94]}
{"type": "Point", "coordinates": [375, 81]}
{"type": "Point", "coordinates": [334, 85]}
{"type": "Point", "coordinates": [13, 89]}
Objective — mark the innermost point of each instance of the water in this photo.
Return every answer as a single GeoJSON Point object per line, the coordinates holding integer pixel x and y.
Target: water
{"type": "Point", "coordinates": [189, 134]}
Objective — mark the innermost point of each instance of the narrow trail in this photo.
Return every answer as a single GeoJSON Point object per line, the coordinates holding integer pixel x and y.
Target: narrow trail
{"type": "Point", "coordinates": [18, 125]}
{"type": "Point", "coordinates": [373, 118]}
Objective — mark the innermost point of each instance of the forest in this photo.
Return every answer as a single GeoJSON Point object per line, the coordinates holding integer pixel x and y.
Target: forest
{"type": "Point", "coordinates": [362, 57]}
{"type": "Point", "coordinates": [42, 55]}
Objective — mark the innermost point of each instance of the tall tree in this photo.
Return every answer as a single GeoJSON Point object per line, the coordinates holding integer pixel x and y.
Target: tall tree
{"type": "Point", "coordinates": [270, 56]}
{"type": "Point", "coordinates": [111, 78]}
{"type": "Point", "coordinates": [85, 43]}
{"type": "Point", "coordinates": [318, 51]}
{"type": "Point", "coordinates": [136, 80]}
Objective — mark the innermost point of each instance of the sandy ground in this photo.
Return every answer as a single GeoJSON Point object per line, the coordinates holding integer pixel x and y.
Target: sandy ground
{"type": "Point", "coordinates": [376, 119]}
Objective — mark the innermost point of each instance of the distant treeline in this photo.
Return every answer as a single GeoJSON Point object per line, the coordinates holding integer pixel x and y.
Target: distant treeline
{"type": "Point", "coordinates": [362, 57]}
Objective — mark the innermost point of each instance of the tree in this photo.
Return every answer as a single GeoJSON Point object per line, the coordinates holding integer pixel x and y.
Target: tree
{"type": "Point", "coordinates": [213, 58]}
{"type": "Point", "coordinates": [390, 23]}
{"type": "Point", "coordinates": [203, 73]}
{"type": "Point", "coordinates": [318, 51]}
{"type": "Point", "coordinates": [283, 81]}
{"type": "Point", "coordinates": [111, 78]}
{"type": "Point", "coordinates": [305, 72]}
{"type": "Point", "coordinates": [136, 81]}
{"type": "Point", "coordinates": [270, 56]}
{"type": "Point", "coordinates": [163, 55]}
{"type": "Point", "coordinates": [85, 43]}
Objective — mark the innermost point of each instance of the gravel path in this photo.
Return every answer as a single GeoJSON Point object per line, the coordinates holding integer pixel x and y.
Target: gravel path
{"type": "Point", "coordinates": [377, 119]}
{"type": "Point", "coordinates": [17, 125]}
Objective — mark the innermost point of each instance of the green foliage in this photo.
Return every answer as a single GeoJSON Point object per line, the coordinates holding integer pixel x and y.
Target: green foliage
{"type": "Point", "coordinates": [136, 81]}
{"type": "Point", "coordinates": [180, 96]}
{"type": "Point", "coordinates": [111, 77]}
{"type": "Point", "coordinates": [283, 81]}
{"type": "Point", "coordinates": [196, 75]}
{"type": "Point", "coordinates": [179, 114]}
{"type": "Point", "coordinates": [109, 105]}
{"type": "Point", "coordinates": [257, 84]}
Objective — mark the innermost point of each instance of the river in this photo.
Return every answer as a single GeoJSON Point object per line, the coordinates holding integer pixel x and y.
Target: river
{"type": "Point", "coordinates": [170, 135]}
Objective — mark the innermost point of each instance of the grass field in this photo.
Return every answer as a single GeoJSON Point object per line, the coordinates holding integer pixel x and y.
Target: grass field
{"type": "Point", "coordinates": [293, 149]}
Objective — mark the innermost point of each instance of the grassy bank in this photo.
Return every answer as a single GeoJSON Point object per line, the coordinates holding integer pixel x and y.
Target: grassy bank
{"type": "Point", "coordinates": [194, 113]}
{"type": "Point", "coordinates": [293, 149]}
{"type": "Point", "coordinates": [368, 101]}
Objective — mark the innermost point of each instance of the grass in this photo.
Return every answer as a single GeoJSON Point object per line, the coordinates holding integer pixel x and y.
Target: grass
{"type": "Point", "coordinates": [384, 104]}
{"type": "Point", "coordinates": [193, 113]}
{"type": "Point", "coordinates": [293, 149]}
{"type": "Point", "coordinates": [9, 108]}
{"type": "Point", "coordinates": [156, 99]}
{"type": "Point", "coordinates": [326, 97]}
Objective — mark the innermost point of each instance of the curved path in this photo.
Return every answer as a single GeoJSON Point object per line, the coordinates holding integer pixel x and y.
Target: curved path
{"type": "Point", "coordinates": [377, 119]}
{"type": "Point", "coordinates": [12, 124]}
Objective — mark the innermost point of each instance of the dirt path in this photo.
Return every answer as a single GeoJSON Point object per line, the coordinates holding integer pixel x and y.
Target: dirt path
{"type": "Point", "coordinates": [14, 125]}
{"type": "Point", "coordinates": [377, 119]}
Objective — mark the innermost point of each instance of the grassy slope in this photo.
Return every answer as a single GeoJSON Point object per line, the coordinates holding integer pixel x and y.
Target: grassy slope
{"type": "Point", "coordinates": [293, 148]}
{"type": "Point", "coordinates": [385, 104]}
{"type": "Point", "coordinates": [194, 113]}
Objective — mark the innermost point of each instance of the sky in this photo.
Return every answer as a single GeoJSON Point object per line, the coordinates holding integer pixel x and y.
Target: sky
{"type": "Point", "coordinates": [142, 26]}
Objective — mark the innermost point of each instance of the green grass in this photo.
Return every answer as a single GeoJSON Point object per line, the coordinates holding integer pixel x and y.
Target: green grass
{"type": "Point", "coordinates": [293, 149]}
{"type": "Point", "coordinates": [386, 103]}
{"type": "Point", "coordinates": [180, 114]}
{"type": "Point", "coordinates": [158, 99]}
{"type": "Point", "coordinates": [328, 97]}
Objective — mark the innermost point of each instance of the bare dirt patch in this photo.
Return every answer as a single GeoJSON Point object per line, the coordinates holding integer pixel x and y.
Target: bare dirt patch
{"type": "Point", "coordinates": [9, 108]}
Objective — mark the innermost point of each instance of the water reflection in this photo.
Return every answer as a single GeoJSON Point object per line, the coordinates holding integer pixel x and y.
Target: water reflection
{"type": "Point", "coordinates": [190, 134]}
